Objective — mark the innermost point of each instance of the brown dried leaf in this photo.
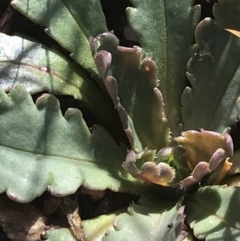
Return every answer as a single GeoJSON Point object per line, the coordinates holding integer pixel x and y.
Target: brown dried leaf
{"type": "Point", "coordinates": [76, 224]}
{"type": "Point", "coordinates": [69, 207]}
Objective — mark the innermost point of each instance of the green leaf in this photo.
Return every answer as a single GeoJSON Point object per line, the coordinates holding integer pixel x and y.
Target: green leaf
{"type": "Point", "coordinates": [151, 172]}
{"type": "Point", "coordinates": [208, 154]}
{"type": "Point", "coordinates": [165, 30]}
{"type": "Point", "coordinates": [155, 222]}
{"type": "Point", "coordinates": [212, 213]}
{"type": "Point", "coordinates": [132, 84]}
{"type": "Point", "coordinates": [212, 102]}
{"type": "Point", "coordinates": [61, 234]}
{"type": "Point", "coordinates": [70, 23]}
{"type": "Point", "coordinates": [40, 69]}
{"type": "Point", "coordinates": [94, 229]}
{"type": "Point", "coordinates": [226, 14]}
{"type": "Point", "coordinates": [40, 149]}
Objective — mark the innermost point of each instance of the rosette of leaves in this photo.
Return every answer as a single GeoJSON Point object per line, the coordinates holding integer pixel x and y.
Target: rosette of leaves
{"type": "Point", "coordinates": [140, 96]}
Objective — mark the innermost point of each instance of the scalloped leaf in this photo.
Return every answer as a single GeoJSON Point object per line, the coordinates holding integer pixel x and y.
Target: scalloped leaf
{"type": "Point", "coordinates": [208, 153]}
{"type": "Point", "coordinates": [95, 229]}
{"type": "Point", "coordinates": [161, 173]}
{"type": "Point", "coordinates": [211, 212]}
{"type": "Point", "coordinates": [40, 69]}
{"type": "Point", "coordinates": [132, 84]}
{"type": "Point", "coordinates": [70, 23]}
{"type": "Point", "coordinates": [165, 30]}
{"type": "Point", "coordinates": [155, 222]}
{"type": "Point", "coordinates": [40, 149]}
{"type": "Point", "coordinates": [200, 146]}
{"type": "Point", "coordinates": [213, 102]}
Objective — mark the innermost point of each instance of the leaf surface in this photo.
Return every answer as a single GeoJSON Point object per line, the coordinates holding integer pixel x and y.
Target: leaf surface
{"type": "Point", "coordinates": [200, 146]}
{"type": "Point", "coordinates": [94, 229]}
{"type": "Point", "coordinates": [132, 84]}
{"type": "Point", "coordinates": [211, 212]}
{"type": "Point", "coordinates": [40, 69]}
{"type": "Point", "coordinates": [156, 222]}
{"type": "Point", "coordinates": [70, 23]}
{"type": "Point", "coordinates": [40, 149]}
{"type": "Point", "coordinates": [165, 30]}
{"type": "Point", "coordinates": [212, 102]}
{"type": "Point", "coordinates": [226, 14]}
{"type": "Point", "coordinates": [61, 234]}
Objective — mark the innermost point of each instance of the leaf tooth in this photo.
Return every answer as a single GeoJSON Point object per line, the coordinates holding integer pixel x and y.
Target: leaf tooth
{"type": "Point", "coordinates": [183, 234]}
{"type": "Point", "coordinates": [115, 225]}
{"type": "Point", "coordinates": [150, 68]}
{"type": "Point", "coordinates": [18, 94]}
{"type": "Point", "coordinates": [129, 164]}
{"type": "Point", "coordinates": [187, 93]}
{"type": "Point", "coordinates": [48, 101]}
{"type": "Point", "coordinates": [229, 143]}
{"type": "Point", "coordinates": [103, 60]}
{"type": "Point", "coordinates": [218, 156]}
{"type": "Point", "coordinates": [73, 113]}
{"type": "Point", "coordinates": [150, 170]}
{"type": "Point", "coordinates": [130, 210]}
{"type": "Point", "coordinates": [94, 44]}
{"type": "Point", "coordinates": [14, 3]}
{"type": "Point", "coordinates": [166, 172]}
{"type": "Point", "coordinates": [47, 30]}
{"type": "Point", "coordinates": [130, 136]}
{"type": "Point", "coordinates": [14, 197]}
{"type": "Point", "coordinates": [161, 174]}
{"type": "Point", "coordinates": [201, 170]}
{"type": "Point", "coordinates": [108, 41]}
{"type": "Point", "coordinates": [112, 88]}
{"type": "Point", "coordinates": [188, 181]}
{"type": "Point", "coordinates": [160, 100]}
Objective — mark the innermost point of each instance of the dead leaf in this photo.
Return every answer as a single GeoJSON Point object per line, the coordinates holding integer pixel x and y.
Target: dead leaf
{"type": "Point", "coordinates": [235, 32]}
